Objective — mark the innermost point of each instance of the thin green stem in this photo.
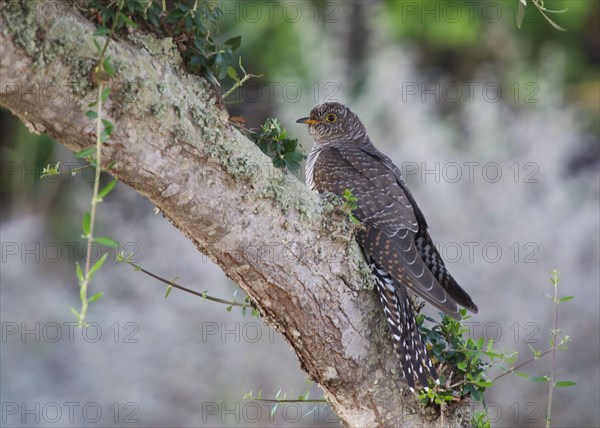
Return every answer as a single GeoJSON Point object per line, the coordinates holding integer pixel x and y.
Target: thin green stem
{"type": "Point", "coordinates": [187, 290]}
{"type": "Point", "coordinates": [94, 203]}
{"type": "Point", "coordinates": [87, 277]}
{"type": "Point", "coordinates": [240, 83]}
{"type": "Point", "coordinates": [554, 337]}
{"type": "Point", "coordinates": [539, 4]}
{"type": "Point", "coordinates": [109, 37]}
{"type": "Point", "coordinates": [524, 363]}
{"type": "Point", "coordinates": [70, 171]}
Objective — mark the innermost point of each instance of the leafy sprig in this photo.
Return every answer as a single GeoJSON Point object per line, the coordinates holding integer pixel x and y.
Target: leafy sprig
{"type": "Point", "coordinates": [281, 398]}
{"type": "Point", "coordinates": [232, 72]}
{"type": "Point", "coordinates": [191, 24]}
{"type": "Point", "coordinates": [463, 371]}
{"type": "Point", "coordinates": [245, 305]}
{"type": "Point", "coordinates": [349, 205]}
{"type": "Point", "coordinates": [273, 141]}
{"type": "Point", "coordinates": [464, 363]}
{"type": "Point", "coordinates": [102, 72]}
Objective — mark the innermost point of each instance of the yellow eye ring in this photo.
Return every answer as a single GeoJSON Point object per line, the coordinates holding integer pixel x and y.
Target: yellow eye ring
{"type": "Point", "coordinates": [331, 118]}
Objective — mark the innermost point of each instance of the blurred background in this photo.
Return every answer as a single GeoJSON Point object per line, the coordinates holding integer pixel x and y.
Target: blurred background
{"type": "Point", "coordinates": [497, 132]}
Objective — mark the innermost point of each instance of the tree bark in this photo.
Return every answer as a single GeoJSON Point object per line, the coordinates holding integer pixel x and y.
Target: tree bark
{"type": "Point", "coordinates": [172, 143]}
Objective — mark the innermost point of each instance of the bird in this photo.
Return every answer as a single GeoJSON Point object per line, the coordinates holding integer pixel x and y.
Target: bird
{"type": "Point", "coordinates": [393, 233]}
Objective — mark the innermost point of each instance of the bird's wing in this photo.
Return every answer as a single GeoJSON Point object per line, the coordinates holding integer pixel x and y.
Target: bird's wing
{"type": "Point", "coordinates": [399, 257]}
{"type": "Point", "coordinates": [433, 260]}
{"type": "Point", "coordinates": [425, 246]}
{"type": "Point", "coordinates": [388, 215]}
{"type": "Point", "coordinates": [380, 200]}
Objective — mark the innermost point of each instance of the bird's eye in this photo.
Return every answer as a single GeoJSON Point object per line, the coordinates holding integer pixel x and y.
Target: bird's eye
{"type": "Point", "coordinates": [331, 118]}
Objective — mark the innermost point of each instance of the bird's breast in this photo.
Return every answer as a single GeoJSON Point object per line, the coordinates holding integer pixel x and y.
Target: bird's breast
{"type": "Point", "coordinates": [310, 167]}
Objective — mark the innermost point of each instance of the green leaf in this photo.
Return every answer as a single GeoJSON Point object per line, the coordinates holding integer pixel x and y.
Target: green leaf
{"type": "Point", "coordinates": [169, 288]}
{"type": "Point", "coordinates": [536, 352]}
{"type": "Point", "coordinates": [476, 394]}
{"type": "Point", "coordinates": [95, 297]}
{"type": "Point", "coordinates": [220, 68]}
{"type": "Point", "coordinates": [102, 31]}
{"type": "Point", "coordinates": [85, 225]}
{"type": "Point", "coordinates": [50, 170]}
{"type": "Point", "coordinates": [107, 131]}
{"type": "Point", "coordinates": [521, 13]}
{"type": "Point", "coordinates": [348, 195]}
{"type": "Point", "coordinates": [105, 240]}
{"type": "Point", "coordinates": [105, 93]}
{"type": "Point", "coordinates": [480, 343]}
{"type": "Point", "coordinates": [107, 66]}
{"type": "Point", "coordinates": [106, 189]}
{"type": "Point", "coordinates": [565, 299]}
{"type": "Point", "coordinates": [98, 263]}
{"type": "Point", "coordinates": [540, 379]}
{"type": "Point", "coordinates": [353, 219]}
{"type": "Point", "coordinates": [91, 114]}
{"type": "Point", "coordinates": [288, 144]}
{"type": "Point", "coordinates": [233, 43]}
{"type": "Point", "coordinates": [525, 375]}
{"type": "Point", "coordinates": [108, 125]}
{"type": "Point", "coordinates": [74, 312]}
{"type": "Point", "coordinates": [79, 272]}
{"type": "Point", "coordinates": [565, 383]}
{"type": "Point", "coordinates": [294, 157]}
{"type": "Point", "coordinates": [128, 21]}
{"type": "Point", "coordinates": [233, 74]}
{"type": "Point", "coordinates": [85, 152]}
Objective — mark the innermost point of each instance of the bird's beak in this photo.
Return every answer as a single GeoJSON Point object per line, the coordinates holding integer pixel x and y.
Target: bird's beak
{"type": "Point", "coordinates": [308, 121]}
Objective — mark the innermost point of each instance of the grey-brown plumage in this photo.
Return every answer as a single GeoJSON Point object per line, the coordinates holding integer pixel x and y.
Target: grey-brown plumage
{"type": "Point", "coordinates": [394, 236]}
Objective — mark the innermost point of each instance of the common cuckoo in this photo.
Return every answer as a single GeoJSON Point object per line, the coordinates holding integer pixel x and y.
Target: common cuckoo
{"type": "Point", "coordinates": [393, 236]}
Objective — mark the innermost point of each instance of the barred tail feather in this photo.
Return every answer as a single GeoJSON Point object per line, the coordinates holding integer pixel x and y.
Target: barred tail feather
{"type": "Point", "coordinates": [408, 341]}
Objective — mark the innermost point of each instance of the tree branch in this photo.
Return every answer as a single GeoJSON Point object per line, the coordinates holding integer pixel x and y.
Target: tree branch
{"type": "Point", "coordinates": [173, 144]}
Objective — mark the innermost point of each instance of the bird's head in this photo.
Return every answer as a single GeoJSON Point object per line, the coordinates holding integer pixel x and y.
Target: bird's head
{"type": "Point", "coordinates": [334, 123]}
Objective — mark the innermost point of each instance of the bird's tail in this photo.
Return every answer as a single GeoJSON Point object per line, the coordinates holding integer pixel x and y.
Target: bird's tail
{"type": "Point", "coordinates": [408, 341]}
